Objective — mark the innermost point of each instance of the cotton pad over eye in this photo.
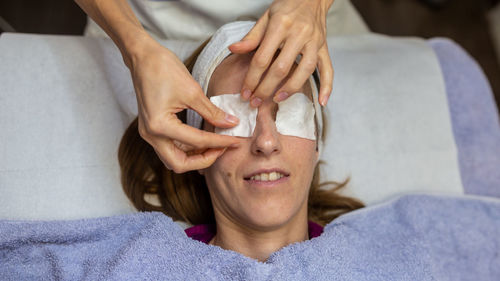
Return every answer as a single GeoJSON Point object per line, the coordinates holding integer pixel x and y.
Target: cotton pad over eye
{"type": "Point", "coordinates": [295, 116]}
{"type": "Point", "coordinates": [232, 104]}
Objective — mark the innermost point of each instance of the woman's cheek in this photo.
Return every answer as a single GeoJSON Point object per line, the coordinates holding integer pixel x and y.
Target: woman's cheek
{"type": "Point", "coordinates": [228, 162]}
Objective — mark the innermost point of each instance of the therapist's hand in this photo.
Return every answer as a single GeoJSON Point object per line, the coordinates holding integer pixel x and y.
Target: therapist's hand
{"type": "Point", "coordinates": [296, 27]}
{"type": "Point", "coordinates": [163, 88]}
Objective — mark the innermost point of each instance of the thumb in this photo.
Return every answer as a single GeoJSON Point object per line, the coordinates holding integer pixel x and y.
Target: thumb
{"type": "Point", "coordinates": [213, 114]}
{"type": "Point", "coordinates": [253, 37]}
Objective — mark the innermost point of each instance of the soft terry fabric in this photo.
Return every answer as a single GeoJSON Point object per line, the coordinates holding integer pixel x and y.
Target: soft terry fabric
{"type": "Point", "coordinates": [416, 237]}
{"type": "Point", "coordinates": [474, 115]}
{"type": "Point", "coordinates": [295, 116]}
{"type": "Point", "coordinates": [205, 232]}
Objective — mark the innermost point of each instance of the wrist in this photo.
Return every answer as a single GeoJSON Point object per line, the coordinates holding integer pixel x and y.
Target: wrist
{"type": "Point", "coordinates": [134, 46]}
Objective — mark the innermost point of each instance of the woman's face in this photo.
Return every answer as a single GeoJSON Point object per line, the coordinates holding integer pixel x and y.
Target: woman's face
{"type": "Point", "coordinates": [251, 203]}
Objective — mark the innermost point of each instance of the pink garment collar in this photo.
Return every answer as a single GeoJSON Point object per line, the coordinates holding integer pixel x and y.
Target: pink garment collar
{"type": "Point", "coordinates": [205, 232]}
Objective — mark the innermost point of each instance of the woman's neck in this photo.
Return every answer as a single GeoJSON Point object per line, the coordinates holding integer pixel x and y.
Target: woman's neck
{"type": "Point", "coordinates": [260, 245]}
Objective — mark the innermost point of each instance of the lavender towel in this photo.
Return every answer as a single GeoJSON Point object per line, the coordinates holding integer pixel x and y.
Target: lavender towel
{"type": "Point", "coordinates": [415, 237]}
{"type": "Point", "coordinates": [474, 117]}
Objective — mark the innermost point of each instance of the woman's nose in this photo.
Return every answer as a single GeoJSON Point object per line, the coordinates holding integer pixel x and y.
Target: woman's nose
{"type": "Point", "coordinates": [265, 139]}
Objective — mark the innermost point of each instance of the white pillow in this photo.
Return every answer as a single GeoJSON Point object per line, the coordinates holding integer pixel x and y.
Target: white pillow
{"type": "Point", "coordinates": [61, 126]}
{"type": "Point", "coordinates": [389, 121]}
{"type": "Point", "coordinates": [66, 100]}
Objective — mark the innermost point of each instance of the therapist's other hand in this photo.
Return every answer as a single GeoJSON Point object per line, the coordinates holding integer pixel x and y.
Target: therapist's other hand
{"type": "Point", "coordinates": [164, 87]}
{"type": "Point", "coordinates": [296, 27]}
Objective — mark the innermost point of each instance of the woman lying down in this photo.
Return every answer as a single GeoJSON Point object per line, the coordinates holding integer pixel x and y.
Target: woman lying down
{"type": "Point", "coordinates": [258, 197]}
{"type": "Point", "coordinates": [258, 211]}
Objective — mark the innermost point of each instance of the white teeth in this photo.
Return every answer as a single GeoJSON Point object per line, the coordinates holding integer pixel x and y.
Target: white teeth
{"type": "Point", "coordinates": [267, 176]}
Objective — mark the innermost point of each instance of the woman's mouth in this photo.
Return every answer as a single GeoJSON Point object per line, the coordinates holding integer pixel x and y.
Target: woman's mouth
{"type": "Point", "coordinates": [267, 178]}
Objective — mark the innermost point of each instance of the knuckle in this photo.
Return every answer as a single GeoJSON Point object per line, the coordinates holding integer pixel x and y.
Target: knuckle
{"type": "Point", "coordinates": [304, 29]}
{"type": "Point", "coordinates": [260, 61]}
{"type": "Point", "coordinates": [281, 69]}
{"type": "Point", "coordinates": [285, 20]}
{"type": "Point", "coordinates": [176, 168]}
{"type": "Point", "coordinates": [309, 65]}
{"type": "Point", "coordinates": [155, 126]}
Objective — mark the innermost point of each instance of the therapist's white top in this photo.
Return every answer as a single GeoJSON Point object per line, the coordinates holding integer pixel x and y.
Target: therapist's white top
{"type": "Point", "coordinates": [197, 20]}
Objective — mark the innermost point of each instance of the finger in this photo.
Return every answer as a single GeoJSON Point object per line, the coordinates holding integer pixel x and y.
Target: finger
{"type": "Point", "coordinates": [279, 69]}
{"type": "Point", "coordinates": [174, 153]}
{"type": "Point", "coordinates": [212, 113]}
{"type": "Point", "coordinates": [253, 37]}
{"type": "Point", "coordinates": [184, 147]}
{"type": "Point", "coordinates": [262, 59]}
{"type": "Point", "coordinates": [179, 161]}
{"type": "Point", "coordinates": [326, 74]}
{"type": "Point", "coordinates": [203, 160]}
{"type": "Point", "coordinates": [306, 67]}
{"type": "Point", "coordinates": [190, 150]}
{"type": "Point", "coordinates": [172, 128]}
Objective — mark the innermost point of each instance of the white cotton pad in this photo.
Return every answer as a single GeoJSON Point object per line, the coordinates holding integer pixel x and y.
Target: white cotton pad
{"type": "Point", "coordinates": [232, 104]}
{"type": "Point", "coordinates": [295, 116]}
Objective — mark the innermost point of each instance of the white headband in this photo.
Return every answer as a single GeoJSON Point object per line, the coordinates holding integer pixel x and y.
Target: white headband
{"type": "Point", "coordinates": [216, 51]}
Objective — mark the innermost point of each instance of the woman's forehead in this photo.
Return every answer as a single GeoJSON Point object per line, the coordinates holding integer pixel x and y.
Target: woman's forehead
{"type": "Point", "coordinates": [229, 76]}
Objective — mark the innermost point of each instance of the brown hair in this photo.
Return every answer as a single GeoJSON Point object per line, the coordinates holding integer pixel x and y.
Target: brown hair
{"type": "Point", "coordinates": [185, 196]}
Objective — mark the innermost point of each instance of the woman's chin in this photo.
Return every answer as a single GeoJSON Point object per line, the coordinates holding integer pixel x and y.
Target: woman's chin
{"type": "Point", "coordinates": [266, 220]}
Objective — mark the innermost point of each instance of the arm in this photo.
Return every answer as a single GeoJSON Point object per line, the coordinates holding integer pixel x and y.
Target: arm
{"type": "Point", "coordinates": [163, 87]}
{"type": "Point", "coordinates": [118, 20]}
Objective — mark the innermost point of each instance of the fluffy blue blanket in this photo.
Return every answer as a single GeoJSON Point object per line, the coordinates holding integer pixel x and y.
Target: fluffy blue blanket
{"type": "Point", "coordinates": [414, 237]}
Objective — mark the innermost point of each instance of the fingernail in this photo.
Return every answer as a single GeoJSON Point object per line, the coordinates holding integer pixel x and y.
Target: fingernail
{"type": "Point", "coordinates": [281, 96]}
{"type": "Point", "coordinates": [246, 94]}
{"type": "Point", "coordinates": [232, 119]}
{"type": "Point", "coordinates": [255, 102]}
{"type": "Point", "coordinates": [235, 145]}
{"type": "Point", "coordinates": [325, 100]}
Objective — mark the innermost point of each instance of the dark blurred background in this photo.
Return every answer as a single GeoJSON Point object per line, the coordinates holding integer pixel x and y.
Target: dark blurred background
{"type": "Point", "coordinates": [468, 22]}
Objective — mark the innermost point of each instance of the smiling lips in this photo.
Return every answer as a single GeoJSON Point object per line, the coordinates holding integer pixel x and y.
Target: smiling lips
{"type": "Point", "coordinates": [267, 175]}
